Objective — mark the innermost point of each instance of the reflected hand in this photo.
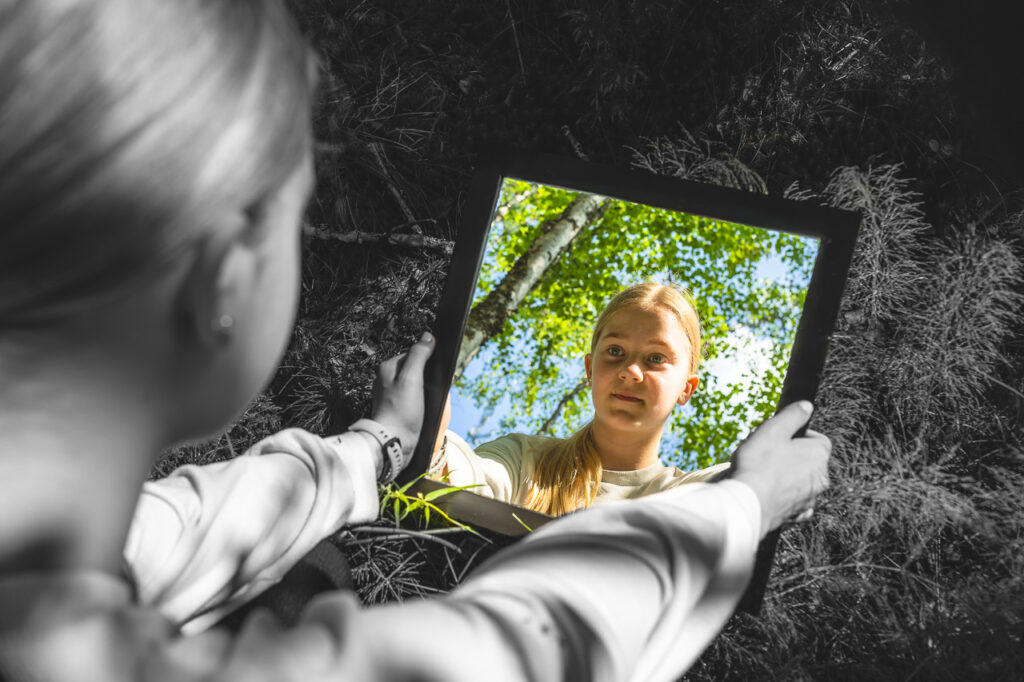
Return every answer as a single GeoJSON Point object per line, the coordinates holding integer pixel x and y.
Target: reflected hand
{"type": "Point", "coordinates": [398, 395]}
{"type": "Point", "coordinates": [785, 472]}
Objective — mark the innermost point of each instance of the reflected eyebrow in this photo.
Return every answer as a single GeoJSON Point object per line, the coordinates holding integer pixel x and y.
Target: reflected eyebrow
{"type": "Point", "coordinates": [650, 342]}
{"type": "Point", "coordinates": [612, 335]}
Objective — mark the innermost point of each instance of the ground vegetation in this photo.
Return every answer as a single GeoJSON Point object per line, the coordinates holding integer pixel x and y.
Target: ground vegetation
{"type": "Point", "coordinates": [913, 567]}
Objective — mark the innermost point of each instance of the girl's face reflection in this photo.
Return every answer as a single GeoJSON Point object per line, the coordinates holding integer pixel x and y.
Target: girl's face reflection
{"type": "Point", "coordinates": [639, 369]}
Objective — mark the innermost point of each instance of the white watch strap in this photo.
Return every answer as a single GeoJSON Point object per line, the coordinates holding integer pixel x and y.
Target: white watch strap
{"type": "Point", "coordinates": [390, 447]}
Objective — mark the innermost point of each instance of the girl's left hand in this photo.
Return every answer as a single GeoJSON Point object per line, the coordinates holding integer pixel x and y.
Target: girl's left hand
{"type": "Point", "coordinates": [398, 394]}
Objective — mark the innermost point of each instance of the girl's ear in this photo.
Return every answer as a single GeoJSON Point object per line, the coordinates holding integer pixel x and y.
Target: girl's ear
{"type": "Point", "coordinates": [212, 299]}
{"type": "Point", "coordinates": [587, 364]}
{"type": "Point", "coordinates": [688, 388]}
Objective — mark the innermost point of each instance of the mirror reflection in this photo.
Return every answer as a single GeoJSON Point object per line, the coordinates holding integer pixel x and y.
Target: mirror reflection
{"type": "Point", "coordinates": [614, 350]}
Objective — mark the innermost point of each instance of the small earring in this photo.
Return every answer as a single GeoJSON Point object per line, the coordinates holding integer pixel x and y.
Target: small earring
{"type": "Point", "coordinates": [223, 326]}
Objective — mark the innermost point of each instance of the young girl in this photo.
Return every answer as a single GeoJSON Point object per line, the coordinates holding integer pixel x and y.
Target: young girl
{"type": "Point", "coordinates": [154, 165]}
{"type": "Point", "coordinates": [643, 359]}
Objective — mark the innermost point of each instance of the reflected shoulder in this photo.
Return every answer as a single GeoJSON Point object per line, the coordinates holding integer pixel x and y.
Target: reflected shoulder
{"type": "Point", "coordinates": [521, 443]}
{"type": "Point", "coordinates": [680, 477]}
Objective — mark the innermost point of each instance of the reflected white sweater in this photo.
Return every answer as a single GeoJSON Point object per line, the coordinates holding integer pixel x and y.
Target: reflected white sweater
{"type": "Point", "coordinates": [626, 591]}
{"type": "Point", "coordinates": [502, 469]}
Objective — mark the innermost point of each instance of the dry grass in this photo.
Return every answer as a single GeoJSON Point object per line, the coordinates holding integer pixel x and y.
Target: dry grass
{"type": "Point", "coordinates": [897, 577]}
{"type": "Point", "coordinates": [913, 567]}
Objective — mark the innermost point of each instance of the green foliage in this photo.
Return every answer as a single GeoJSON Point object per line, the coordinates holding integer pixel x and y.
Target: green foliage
{"type": "Point", "coordinates": [536, 363]}
{"type": "Point", "coordinates": [413, 549]}
{"type": "Point", "coordinates": [399, 504]}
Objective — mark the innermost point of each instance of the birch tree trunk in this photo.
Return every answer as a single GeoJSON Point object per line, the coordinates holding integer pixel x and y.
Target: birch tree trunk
{"type": "Point", "coordinates": [488, 317]}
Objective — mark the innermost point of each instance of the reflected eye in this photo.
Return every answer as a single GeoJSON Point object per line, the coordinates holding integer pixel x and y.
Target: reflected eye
{"type": "Point", "coordinates": [615, 351]}
{"type": "Point", "coordinates": [657, 359]}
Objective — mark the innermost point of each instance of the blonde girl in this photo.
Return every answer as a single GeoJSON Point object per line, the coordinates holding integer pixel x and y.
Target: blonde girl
{"type": "Point", "coordinates": [154, 166]}
{"type": "Point", "coordinates": [644, 354]}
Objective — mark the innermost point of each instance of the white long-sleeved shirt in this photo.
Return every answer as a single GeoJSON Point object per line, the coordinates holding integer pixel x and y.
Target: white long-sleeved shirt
{"type": "Point", "coordinates": [207, 539]}
{"type": "Point", "coordinates": [626, 591]}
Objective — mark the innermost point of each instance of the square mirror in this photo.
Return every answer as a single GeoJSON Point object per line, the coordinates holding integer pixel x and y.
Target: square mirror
{"type": "Point", "coordinates": [629, 326]}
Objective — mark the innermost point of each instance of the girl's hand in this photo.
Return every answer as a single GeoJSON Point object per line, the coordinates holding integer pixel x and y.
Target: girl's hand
{"type": "Point", "coordinates": [398, 394]}
{"type": "Point", "coordinates": [786, 472]}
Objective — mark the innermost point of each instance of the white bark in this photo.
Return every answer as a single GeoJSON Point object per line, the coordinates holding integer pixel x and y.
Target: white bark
{"type": "Point", "coordinates": [489, 316]}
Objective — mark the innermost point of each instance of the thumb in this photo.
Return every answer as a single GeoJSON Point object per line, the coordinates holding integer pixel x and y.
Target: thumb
{"type": "Point", "coordinates": [789, 419]}
{"type": "Point", "coordinates": [416, 359]}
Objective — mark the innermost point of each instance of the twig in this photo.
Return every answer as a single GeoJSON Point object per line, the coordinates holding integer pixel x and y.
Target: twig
{"type": "Point", "coordinates": [1004, 385]}
{"type": "Point", "coordinates": [402, 564]}
{"type": "Point", "coordinates": [822, 572]}
{"type": "Point", "coordinates": [358, 237]}
{"type": "Point", "coordinates": [561, 405]}
{"type": "Point", "coordinates": [378, 156]}
{"type": "Point", "coordinates": [399, 532]}
{"type": "Point", "coordinates": [515, 37]}
{"type": "Point", "coordinates": [469, 564]}
{"type": "Point", "coordinates": [451, 568]}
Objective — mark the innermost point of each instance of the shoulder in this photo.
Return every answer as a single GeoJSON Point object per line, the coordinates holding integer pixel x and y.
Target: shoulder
{"type": "Point", "coordinates": [680, 476]}
{"type": "Point", "coordinates": [458, 442]}
{"type": "Point", "coordinates": [519, 442]}
{"type": "Point", "coordinates": [518, 445]}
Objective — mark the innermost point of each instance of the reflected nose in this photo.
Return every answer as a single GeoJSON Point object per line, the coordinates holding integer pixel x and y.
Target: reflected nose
{"type": "Point", "coordinates": [632, 372]}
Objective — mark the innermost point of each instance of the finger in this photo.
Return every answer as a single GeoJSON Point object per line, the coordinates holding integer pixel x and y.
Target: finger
{"type": "Point", "coordinates": [821, 438]}
{"type": "Point", "coordinates": [392, 361]}
{"type": "Point", "coordinates": [389, 368]}
{"type": "Point", "coordinates": [789, 419]}
{"type": "Point", "coordinates": [416, 359]}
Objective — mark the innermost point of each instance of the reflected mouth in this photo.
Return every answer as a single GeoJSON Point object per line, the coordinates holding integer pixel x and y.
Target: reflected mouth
{"type": "Point", "coordinates": [627, 397]}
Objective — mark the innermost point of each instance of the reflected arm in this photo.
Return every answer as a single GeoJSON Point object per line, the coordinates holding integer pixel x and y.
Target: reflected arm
{"type": "Point", "coordinates": [496, 469]}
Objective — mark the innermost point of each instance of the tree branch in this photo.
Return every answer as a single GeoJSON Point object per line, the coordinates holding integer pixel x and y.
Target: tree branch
{"type": "Point", "coordinates": [546, 428]}
{"type": "Point", "coordinates": [357, 237]}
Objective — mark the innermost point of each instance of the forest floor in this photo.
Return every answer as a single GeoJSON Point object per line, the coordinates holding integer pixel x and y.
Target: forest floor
{"type": "Point", "coordinates": [913, 568]}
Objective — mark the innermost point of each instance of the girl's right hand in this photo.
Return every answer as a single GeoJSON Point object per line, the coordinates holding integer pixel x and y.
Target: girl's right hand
{"type": "Point", "coordinates": [785, 471]}
{"type": "Point", "coordinates": [398, 394]}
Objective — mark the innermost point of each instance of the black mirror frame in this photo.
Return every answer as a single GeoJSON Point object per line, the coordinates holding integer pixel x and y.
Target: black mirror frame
{"type": "Point", "coordinates": [835, 229]}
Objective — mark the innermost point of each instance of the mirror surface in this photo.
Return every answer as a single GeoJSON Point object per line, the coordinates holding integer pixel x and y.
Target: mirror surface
{"type": "Point", "coordinates": [554, 259]}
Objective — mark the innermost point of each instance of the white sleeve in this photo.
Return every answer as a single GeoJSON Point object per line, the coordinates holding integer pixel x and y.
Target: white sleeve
{"type": "Point", "coordinates": [631, 591]}
{"type": "Point", "coordinates": [207, 539]}
{"type": "Point", "coordinates": [494, 472]}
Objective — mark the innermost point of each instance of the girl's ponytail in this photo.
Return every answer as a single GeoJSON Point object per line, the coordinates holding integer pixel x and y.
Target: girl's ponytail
{"type": "Point", "coordinates": [567, 476]}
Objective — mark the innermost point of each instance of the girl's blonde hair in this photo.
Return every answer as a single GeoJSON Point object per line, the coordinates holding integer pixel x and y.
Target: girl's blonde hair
{"type": "Point", "coordinates": [567, 476]}
{"type": "Point", "coordinates": [125, 126]}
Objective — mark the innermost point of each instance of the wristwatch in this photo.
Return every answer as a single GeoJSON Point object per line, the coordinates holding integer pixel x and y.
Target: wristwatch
{"type": "Point", "coordinates": [390, 448]}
